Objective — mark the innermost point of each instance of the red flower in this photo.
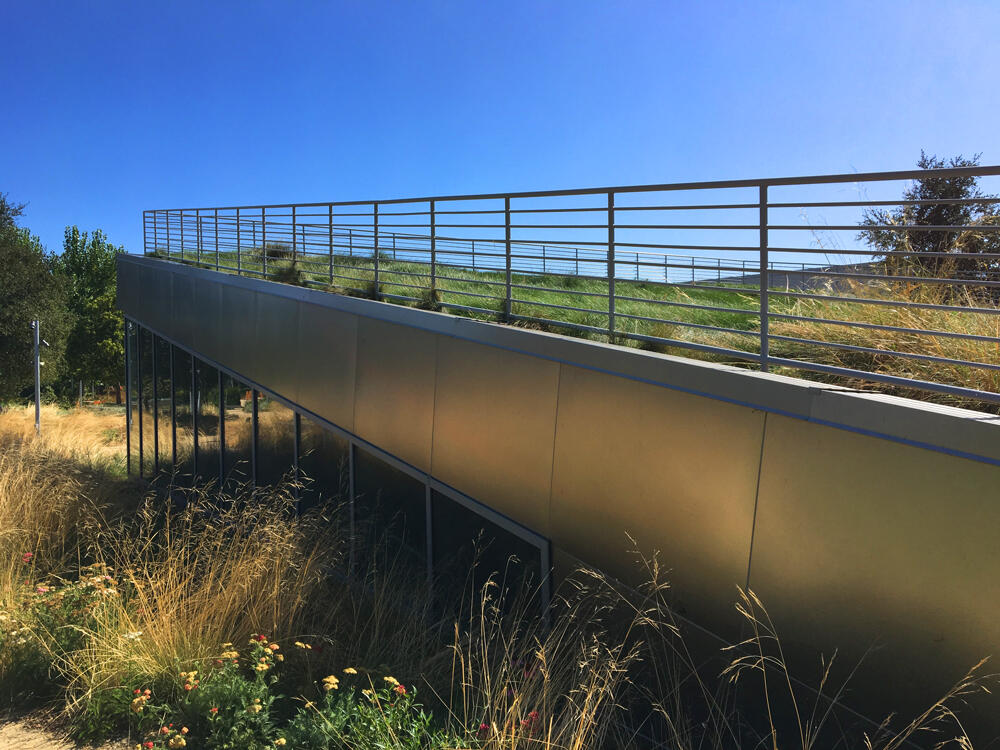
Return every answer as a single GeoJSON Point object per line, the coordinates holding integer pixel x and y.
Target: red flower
{"type": "Point", "coordinates": [148, 745]}
{"type": "Point", "coordinates": [26, 557]}
{"type": "Point", "coordinates": [400, 689]}
{"type": "Point", "coordinates": [214, 710]}
{"type": "Point", "coordinates": [484, 731]}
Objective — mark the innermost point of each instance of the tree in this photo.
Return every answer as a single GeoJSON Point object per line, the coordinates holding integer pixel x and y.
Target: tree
{"type": "Point", "coordinates": [28, 290]}
{"type": "Point", "coordinates": [94, 350]}
{"type": "Point", "coordinates": [943, 254]}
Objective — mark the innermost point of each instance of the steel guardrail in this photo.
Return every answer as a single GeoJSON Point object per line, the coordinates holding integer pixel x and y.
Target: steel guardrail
{"type": "Point", "coordinates": [752, 281]}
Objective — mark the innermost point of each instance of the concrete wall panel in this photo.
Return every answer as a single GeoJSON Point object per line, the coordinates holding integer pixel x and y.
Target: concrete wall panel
{"type": "Point", "coordinates": [675, 472]}
{"type": "Point", "coordinates": [494, 415]}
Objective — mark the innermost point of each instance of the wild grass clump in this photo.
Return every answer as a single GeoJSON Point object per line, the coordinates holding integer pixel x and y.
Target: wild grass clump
{"type": "Point", "coordinates": [223, 620]}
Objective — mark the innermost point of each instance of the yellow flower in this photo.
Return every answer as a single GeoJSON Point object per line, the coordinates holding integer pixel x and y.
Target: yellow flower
{"type": "Point", "coordinates": [391, 680]}
{"type": "Point", "coordinates": [300, 644]}
{"type": "Point", "coordinates": [350, 670]}
{"type": "Point", "coordinates": [280, 657]}
{"type": "Point", "coordinates": [255, 708]}
{"type": "Point", "coordinates": [330, 683]}
{"type": "Point", "coordinates": [280, 742]}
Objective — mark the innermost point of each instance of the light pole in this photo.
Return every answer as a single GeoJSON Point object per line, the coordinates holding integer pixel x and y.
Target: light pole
{"type": "Point", "coordinates": [36, 329]}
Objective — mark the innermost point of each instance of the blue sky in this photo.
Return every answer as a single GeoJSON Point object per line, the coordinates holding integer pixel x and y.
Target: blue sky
{"type": "Point", "coordinates": [113, 107]}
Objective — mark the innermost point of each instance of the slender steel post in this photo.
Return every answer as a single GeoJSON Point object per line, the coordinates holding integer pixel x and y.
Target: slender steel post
{"type": "Point", "coordinates": [180, 219]}
{"type": "Point", "coordinates": [350, 242]}
{"type": "Point", "coordinates": [36, 326]}
{"type": "Point", "coordinates": [296, 449]}
{"type": "Point", "coordinates": [138, 381]}
{"type": "Point", "coordinates": [222, 430]}
{"type": "Point", "coordinates": [330, 216]}
{"type": "Point", "coordinates": [197, 233]}
{"type": "Point", "coordinates": [352, 520]}
{"type": "Point", "coordinates": [429, 532]}
{"type": "Point", "coordinates": [239, 249]}
{"type": "Point", "coordinates": [765, 280]}
{"type": "Point", "coordinates": [294, 238]}
{"type": "Point", "coordinates": [375, 293]}
{"type": "Point", "coordinates": [156, 410]}
{"type": "Point", "coordinates": [611, 266]}
{"type": "Point", "coordinates": [433, 246]}
{"type": "Point", "coordinates": [506, 221]}
{"type": "Point", "coordinates": [128, 402]}
{"type": "Point", "coordinates": [254, 396]}
{"type": "Point", "coordinates": [167, 229]}
{"type": "Point", "coordinates": [145, 233]}
{"type": "Point", "coordinates": [195, 403]}
{"type": "Point", "coordinates": [173, 410]}
{"type": "Point", "coordinates": [216, 239]}
{"type": "Point", "coordinates": [263, 240]}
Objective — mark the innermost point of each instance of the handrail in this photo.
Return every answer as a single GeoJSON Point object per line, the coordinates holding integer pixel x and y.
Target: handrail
{"type": "Point", "coordinates": [521, 258]}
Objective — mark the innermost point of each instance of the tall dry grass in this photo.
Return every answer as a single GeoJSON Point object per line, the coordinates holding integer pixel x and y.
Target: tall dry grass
{"type": "Point", "coordinates": [610, 666]}
{"type": "Point", "coordinates": [837, 307]}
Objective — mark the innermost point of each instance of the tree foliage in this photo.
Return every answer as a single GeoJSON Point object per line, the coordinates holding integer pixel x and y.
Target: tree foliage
{"type": "Point", "coordinates": [94, 350]}
{"type": "Point", "coordinates": [29, 289]}
{"type": "Point", "coordinates": [943, 254]}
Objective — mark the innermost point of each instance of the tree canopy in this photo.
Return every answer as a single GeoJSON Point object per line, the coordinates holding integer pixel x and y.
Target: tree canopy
{"type": "Point", "coordinates": [94, 349]}
{"type": "Point", "coordinates": [29, 289]}
{"type": "Point", "coordinates": [935, 252]}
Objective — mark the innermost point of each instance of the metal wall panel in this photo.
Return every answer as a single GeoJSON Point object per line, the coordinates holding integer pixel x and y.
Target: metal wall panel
{"type": "Point", "coordinates": [276, 346]}
{"type": "Point", "coordinates": [185, 312]}
{"type": "Point", "coordinates": [494, 423]}
{"type": "Point", "coordinates": [157, 296]}
{"type": "Point", "coordinates": [212, 328]}
{"type": "Point", "coordinates": [394, 395]}
{"type": "Point", "coordinates": [676, 472]}
{"type": "Point", "coordinates": [863, 542]}
{"type": "Point", "coordinates": [327, 341]}
{"type": "Point", "coordinates": [239, 317]}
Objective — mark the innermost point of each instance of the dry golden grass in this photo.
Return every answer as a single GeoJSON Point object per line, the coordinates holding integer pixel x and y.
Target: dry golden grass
{"type": "Point", "coordinates": [907, 342]}
{"type": "Point", "coordinates": [610, 669]}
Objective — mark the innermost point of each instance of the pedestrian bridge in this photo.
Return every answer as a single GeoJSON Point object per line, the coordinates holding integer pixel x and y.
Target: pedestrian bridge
{"type": "Point", "coordinates": [858, 518]}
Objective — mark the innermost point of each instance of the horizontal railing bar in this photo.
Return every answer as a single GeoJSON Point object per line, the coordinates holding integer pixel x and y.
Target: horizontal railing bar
{"type": "Point", "coordinates": [924, 385]}
{"type": "Point", "coordinates": [735, 353]}
{"type": "Point", "coordinates": [886, 227]}
{"type": "Point", "coordinates": [672, 303]}
{"type": "Point", "coordinates": [886, 352]}
{"type": "Point", "coordinates": [911, 174]}
{"type": "Point", "coordinates": [887, 303]}
{"type": "Point", "coordinates": [554, 306]}
{"type": "Point", "coordinates": [900, 202]}
{"type": "Point", "coordinates": [882, 327]}
{"type": "Point", "coordinates": [701, 326]}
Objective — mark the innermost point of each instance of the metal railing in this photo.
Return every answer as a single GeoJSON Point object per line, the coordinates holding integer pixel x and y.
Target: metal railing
{"type": "Point", "coordinates": [724, 269]}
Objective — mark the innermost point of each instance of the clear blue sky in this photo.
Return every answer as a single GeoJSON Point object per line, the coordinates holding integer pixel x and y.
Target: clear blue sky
{"type": "Point", "coordinates": [112, 107]}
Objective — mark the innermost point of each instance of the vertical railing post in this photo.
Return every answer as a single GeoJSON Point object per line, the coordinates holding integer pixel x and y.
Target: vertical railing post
{"type": "Point", "coordinates": [239, 262]}
{"type": "Point", "coordinates": [263, 241]}
{"type": "Point", "coordinates": [138, 395]}
{"type": "Point", "coordinates": [216, 239]}
{"type": "Point", "coordinates": [576, 261]}
{"type": "Point", "coordinates": [294, 238]}
{"type": "Point", "coordinates": [506, 221]}
{"type": "Point", "coordinates": [156, 234]}
{"type": "Point", "coordinates": [129, 364]}
{"type": "Point", "coordinates": [168, 233]}
{"type": "Point", "coordinates": [544, 267]}
{"type": "Point", "coordinates": [765, 280]}
{"type": "Point", "coordinates": [329, 211]}
{"type": "Point", "coordinates": [350, 243]}
{"type": "Point", "coordinates": [197, 233]}
{"type": "Point", "coordinates": [611, 266]}
{"type": "Point", "coordinates": [145, 238]}
{"type": "Point", "coordinates": [433, 246]}
{"type": "Point", "coordinates": [375, 294]}
{"type": "Point", "coordinates": [180, 220]}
